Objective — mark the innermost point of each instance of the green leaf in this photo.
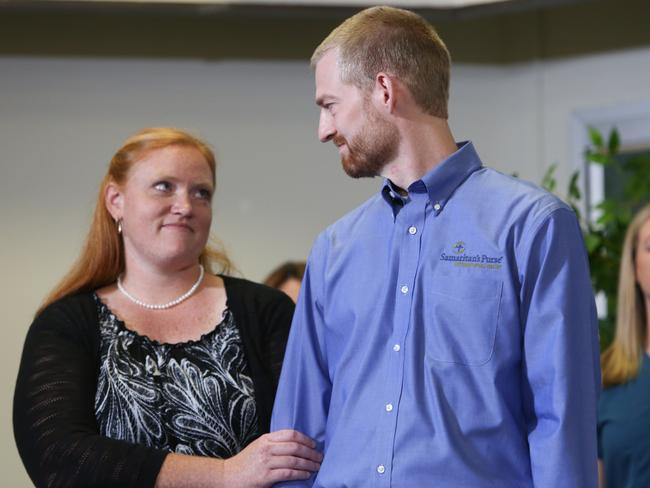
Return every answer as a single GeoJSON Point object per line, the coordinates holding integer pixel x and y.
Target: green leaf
{"type": "Point", "coordinates": [614, 141]}
{"type": "Point", "coordinates": [596, 138]}
{"type": "Point", "coordinates": [592, 241]}
{"type": "Point", "coordinates": [598, 158]}
{"type": "Point", "coordinates": [574, 189]}
{"type": "Point", "coordinates": [549, 181]}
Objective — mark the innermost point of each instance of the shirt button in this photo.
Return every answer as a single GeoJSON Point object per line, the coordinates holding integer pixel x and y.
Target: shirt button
{"type": "Point", "coordinates": [412, 230]}
{"type": "Point", "coordinates": [389, 407]}
{"type": "Point", "coordinates": [436, 207]}
{"type": "Point", "coordinates": [404, 289]}
{"type": "Point", "coordinates": [381, 469]}
{"type": "Point", "coordinates": [396, 348]}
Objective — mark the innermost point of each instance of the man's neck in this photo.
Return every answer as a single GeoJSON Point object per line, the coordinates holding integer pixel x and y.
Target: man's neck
{"type": "Point", "coordinates": [424, 145]}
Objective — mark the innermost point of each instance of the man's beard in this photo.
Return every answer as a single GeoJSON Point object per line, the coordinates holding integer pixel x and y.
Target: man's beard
{"type": "Point", "coordinates": [371, 148]}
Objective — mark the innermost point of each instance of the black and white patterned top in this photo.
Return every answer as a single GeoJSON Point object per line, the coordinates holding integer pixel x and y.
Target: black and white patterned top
{"type": "Point", "coordinates": [194, 397]}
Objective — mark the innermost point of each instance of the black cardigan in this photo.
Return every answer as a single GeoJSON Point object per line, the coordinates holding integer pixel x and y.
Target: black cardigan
{"type": "Point", "coordinates": [54, 420]}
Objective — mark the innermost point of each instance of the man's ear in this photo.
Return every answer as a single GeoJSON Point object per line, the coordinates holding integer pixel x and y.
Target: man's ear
{"type": "Point", "coordinates": [385, 92]}
{"type": "Point", "coordinates": [114, 200]}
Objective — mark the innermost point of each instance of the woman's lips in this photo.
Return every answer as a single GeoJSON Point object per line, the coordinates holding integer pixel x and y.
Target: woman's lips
{"type": "Point", "coordinates": [179, 226]}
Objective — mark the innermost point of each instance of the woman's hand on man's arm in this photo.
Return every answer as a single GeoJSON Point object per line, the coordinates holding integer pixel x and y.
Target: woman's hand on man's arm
{"type": "Point", "coordinates": [279, 456]}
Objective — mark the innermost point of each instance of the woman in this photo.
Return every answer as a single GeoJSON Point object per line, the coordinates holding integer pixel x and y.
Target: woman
{"type": "Point", "coordinates": [287, 278]}
{"type": "Point", "coordinates": [624, 409]}
{"type": "Point", "coordinates": [141, 369]}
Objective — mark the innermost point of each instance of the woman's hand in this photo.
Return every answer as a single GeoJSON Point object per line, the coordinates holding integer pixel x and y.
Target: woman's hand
{"type": "Point", "coordinates": [279, 456]}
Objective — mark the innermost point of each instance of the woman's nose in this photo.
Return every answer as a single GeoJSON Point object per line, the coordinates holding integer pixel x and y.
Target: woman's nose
{"type": "Point", "coordinates": [182, 204]}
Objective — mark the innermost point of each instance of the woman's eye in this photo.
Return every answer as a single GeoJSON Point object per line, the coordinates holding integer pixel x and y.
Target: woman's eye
{"type": "Point", "coordinates": [162, 186]}
{"type": "Point", "coordinates": [204, 194]}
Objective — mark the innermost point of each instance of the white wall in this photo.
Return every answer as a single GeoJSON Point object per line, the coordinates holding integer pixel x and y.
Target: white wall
{"type": "Point", "coordinates": [61, 120]}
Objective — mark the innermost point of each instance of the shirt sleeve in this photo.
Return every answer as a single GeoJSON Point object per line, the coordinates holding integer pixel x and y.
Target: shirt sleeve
{"type": "Point", "coordinates": [54, 422]}
{"type": "Point", "coordinates": [561, 370]}
{"type": "Point", "coordinates": [303, 396]}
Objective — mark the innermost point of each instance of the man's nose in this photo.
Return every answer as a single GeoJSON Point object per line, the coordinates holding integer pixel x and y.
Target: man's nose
{"type": "Point", "coordinates": [326, 128]}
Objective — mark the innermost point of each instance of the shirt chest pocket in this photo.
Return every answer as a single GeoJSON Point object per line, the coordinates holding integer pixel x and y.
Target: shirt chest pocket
{"type": "Point", "coordinates": [461, 320]}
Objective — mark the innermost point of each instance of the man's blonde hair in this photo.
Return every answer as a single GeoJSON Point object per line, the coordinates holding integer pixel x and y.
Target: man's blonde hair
{"type": "Point", "coordinates": [399, 43]}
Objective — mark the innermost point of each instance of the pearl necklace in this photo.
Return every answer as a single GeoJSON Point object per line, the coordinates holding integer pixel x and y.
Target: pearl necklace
{"type": "Point", "coordinates": [167, 305]}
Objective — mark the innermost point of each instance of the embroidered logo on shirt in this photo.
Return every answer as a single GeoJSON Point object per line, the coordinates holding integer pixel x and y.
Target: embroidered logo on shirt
{"type": "Point", "coordinates": [461, 258]}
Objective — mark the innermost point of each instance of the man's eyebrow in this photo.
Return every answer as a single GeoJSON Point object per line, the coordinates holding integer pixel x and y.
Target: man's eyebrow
{"type": "Point", "coordinates": [323, 99]}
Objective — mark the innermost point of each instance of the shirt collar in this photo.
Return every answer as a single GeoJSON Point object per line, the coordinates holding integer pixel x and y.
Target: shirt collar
{"type": "Point", "coordinates": [440, 182]}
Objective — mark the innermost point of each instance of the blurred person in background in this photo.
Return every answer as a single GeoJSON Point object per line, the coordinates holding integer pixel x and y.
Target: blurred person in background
{"type": "Point", "coordinates": [287, 278]}
{"type": "Point", "coordinates": [624, 408]}
{"type": "Point", "coordinates": [142, 368]}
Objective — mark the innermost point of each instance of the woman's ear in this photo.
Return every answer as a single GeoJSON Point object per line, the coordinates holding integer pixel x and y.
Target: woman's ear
{"type": "Point", "coordinates": [114, 200]}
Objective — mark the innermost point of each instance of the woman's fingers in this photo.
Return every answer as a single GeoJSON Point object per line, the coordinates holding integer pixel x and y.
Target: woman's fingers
{"type": "Point", "coordinates": [289, 435]}
{"type": "Point", "coordinates": [295, 449]}
{"type": "Point", "coordinates": [279, 456]}
{"type": "Point", "coordinates": [293, 462]}
{"type": "Point", "coordinates": [286, 474]}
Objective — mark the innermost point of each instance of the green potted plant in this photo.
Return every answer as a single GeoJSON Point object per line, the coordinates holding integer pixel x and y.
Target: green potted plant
{"type": "Point", "coordinates": [604, 235]}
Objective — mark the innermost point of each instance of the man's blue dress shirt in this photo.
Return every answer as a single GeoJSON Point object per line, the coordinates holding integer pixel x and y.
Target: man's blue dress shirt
{"type": "Point", "coordinates": [447, 339]}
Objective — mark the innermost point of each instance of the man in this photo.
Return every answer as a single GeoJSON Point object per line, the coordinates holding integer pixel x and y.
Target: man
{"type": "Point", "coordinates": [446, 332]}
